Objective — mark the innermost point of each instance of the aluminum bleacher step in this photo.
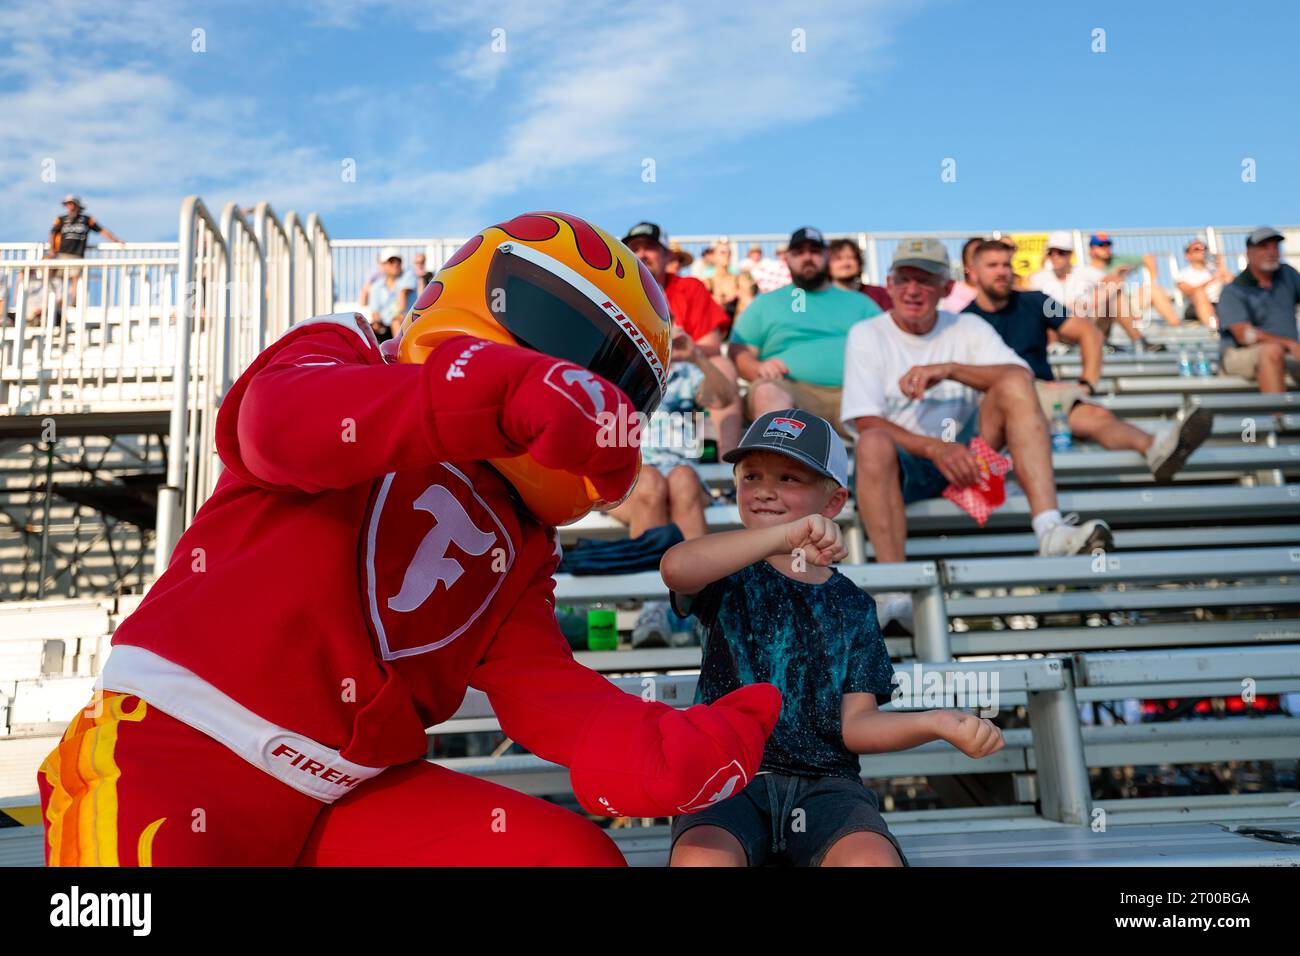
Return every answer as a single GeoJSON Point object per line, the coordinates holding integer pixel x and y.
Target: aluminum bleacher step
{"type": "Point", "coordinates": [1087, 570]}
{"type": "Point", "coordinates": [1141, 507]}
{"type": "Point", "coordinates": [1144, 402]}
{"type": "Point", "coordinates": [1089, 463]}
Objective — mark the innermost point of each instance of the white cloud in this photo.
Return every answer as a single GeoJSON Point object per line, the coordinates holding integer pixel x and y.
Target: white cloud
{"type": "Point", "coordinates": [582, 89]}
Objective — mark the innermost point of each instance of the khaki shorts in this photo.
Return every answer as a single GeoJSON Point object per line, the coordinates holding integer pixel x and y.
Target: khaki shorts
{"type": "Point", "coordinates": [1068, 394]}
{"type": "Point", "coordinates": [1244, 362]}
{"type": "Point", "coordinates": [822, 400]}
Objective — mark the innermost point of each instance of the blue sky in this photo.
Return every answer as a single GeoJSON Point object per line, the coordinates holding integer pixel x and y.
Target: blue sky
{"type": "Point", "coordinates": [746, 134]}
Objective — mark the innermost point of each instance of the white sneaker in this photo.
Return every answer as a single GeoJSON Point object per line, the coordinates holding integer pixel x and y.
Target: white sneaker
{"type": "Point", "coordinates": [1171, 449]}
{"type": "Point", "coordinates": [1070, 537]}
{"type": "Point", "coordinates": [895, 606]}
{"type": "Point", "coordinates": [652, 627]}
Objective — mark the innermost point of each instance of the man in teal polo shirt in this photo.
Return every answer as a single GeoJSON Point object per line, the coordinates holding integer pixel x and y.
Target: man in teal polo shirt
{"type": "Point", "coordinates": [789, 343]}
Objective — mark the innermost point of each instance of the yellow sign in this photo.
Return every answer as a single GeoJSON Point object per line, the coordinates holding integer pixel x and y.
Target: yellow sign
{"type": "Point", "coordinates": [1031, 251]}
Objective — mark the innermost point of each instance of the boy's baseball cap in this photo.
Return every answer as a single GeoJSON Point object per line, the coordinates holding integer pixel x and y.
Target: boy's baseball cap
{"type": "Point", "coordinates": [928, 254]}
{"type": "Point", "coordinates": [800, 435]}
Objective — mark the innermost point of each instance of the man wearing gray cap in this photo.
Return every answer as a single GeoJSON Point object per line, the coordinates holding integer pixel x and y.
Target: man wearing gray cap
{"type": "Point", "coordinates": [919, 384]}
{"type": "Point", "coordinates": [1257, 323]}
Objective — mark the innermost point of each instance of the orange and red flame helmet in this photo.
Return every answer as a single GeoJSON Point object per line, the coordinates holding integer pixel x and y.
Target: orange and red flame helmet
{"type": "Point", "coordinates": [554, 283]}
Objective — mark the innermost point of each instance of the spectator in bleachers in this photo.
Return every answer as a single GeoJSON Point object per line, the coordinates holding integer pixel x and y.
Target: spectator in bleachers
{"type": "Point", "coordinates": [1023, 320]}
{"type": "Point", "coordinates": [386, 300]}
{"type": "Point", "coordinates": [753, 256]}
{"type": "Point", "coordinates": [1110, 302]}
{"type": "Point", "coordinates": [69, 236]}
{"type": "Point", "coordinates": [774, 609]}
{"type": "Point", "coordinates": [70, 232]}
{"type": "Point", "coordinates": [919, 384]}
{"type": "Point", "coordinates": [845, 264]}
{"type": "Point", "coordinates": [789, 343]}
{"type": "Point", "coordinates": [1257, 316]}
{"type": "Point", "coordinates": [693, 310]}
{"type": "Point", "coordinates": [733, 291]}
{"type": "Point", "coordinates": [669, 490]}
{"type": "Point", "coordinates": [1091, 290]}
{"type": "Point", "coordinates": [679, 261]}
{"type": "Point", "coordinates": [963, 290]}
{"type": "Point", "coordinates": [423, 274]}
{"type": "Point", "coordinates": [1200, 287]}
{"type": "Point", "coordinates": [771, 274]}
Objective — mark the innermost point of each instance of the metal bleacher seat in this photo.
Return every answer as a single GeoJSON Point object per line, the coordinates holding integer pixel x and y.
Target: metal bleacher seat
{"type": "Point", "coordinates": [1135, 507]}
{"type": "Point", "coordinates": [1071, 827]}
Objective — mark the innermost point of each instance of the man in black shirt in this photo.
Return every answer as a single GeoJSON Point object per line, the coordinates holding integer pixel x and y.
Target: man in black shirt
{"type": "Point", "coordinates": [1023, 318]}
{"type": "Point", "coordinates": [70, 231]}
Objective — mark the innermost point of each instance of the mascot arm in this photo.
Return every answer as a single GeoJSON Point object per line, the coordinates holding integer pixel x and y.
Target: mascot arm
{"type": "Point", "coordinates": [317, 416]}
{"type": "Point", "coordinates": [626, 756]}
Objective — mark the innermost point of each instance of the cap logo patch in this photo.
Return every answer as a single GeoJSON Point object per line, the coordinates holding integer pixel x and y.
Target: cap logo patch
{"type": "Point", "coordinates": [783, 428]}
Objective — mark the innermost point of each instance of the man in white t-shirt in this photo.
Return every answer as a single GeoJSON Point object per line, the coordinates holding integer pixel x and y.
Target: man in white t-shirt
{"type": "Point", "coordinates": [1201, 287]}
{"type": "Point", "coordinates": [918, 385]}
{"type": "Point", "coordinates": [1059, 280]}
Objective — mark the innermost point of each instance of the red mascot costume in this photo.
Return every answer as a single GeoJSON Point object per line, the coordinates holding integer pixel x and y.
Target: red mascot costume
{"type": "Point", "coordinates": [383, 537]}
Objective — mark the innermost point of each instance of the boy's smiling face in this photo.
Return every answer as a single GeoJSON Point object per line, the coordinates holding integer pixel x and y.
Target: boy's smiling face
{"type": "Point", "coordinates": [773, 489]}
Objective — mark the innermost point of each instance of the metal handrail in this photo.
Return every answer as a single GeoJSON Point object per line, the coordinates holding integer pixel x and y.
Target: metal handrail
{"type": "Point", "coordinates": [201, 274]}
{"type": "Point", "coordinates": [274, 241]}
{"type": "Point", "coordinates": [322, 259]}
{"type": "Point", "coordinates": [302, 270]}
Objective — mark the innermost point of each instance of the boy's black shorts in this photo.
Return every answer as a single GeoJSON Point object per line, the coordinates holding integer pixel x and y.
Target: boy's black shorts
{"type": "Point", "coordinates": [832, 807]}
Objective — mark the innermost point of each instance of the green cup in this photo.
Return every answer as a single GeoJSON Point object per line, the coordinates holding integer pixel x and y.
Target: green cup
{"type": "Point", "coordinates": [602, 629]}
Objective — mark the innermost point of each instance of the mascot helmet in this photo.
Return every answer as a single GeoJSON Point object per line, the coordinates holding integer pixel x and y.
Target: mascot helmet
{"type": "Point", "coordinates": [556, 284]}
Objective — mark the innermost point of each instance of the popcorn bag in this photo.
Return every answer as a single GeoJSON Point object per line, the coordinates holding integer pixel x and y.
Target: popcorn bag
{"type": "Point", "coordinates": [980, 501]}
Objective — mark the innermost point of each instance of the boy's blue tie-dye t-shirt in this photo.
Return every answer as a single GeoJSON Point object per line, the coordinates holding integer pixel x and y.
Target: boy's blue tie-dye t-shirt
{"type": "Point", "coordinates": [815, 642]}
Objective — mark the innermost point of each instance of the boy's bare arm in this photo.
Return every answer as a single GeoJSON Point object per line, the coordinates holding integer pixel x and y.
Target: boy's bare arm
{"type": "Point", "coordinates": [691, 566]}
{"type": "Point", "coordinates": [869, 730]}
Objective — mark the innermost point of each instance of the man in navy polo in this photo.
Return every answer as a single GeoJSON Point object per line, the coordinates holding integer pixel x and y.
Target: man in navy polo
{"type": "Point", "coordinates": [1257, 323]}
{"type": "Point", "coordinates": [1023, 320]}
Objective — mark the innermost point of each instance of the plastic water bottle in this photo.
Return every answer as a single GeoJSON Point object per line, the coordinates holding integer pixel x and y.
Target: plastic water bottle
{"type": "Point", "coordinates": [1184, 363]}
{"type": "Point", "coordinates": [1062, 438]}
{"type": "Point", "coordinates": [1202, 364]}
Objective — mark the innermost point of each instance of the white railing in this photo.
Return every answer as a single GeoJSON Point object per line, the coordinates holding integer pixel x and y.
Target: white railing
{"type": "Point", "coordinates": [246, 297]}
{"type": "Point", "coordinates": [86, 333]}
{"type": "Point", "coordinates": [279, 272]}
{"type": "Point", "coordinates": [322, 267]}
{"type": "Point", "coordinates": [302, 303]}
{"type": "Point", "coordinates": [201, 278]}
{"type": "Point", "coordinates": [159, 327]}
{"type": "Point", "coordinates": [355, 259]}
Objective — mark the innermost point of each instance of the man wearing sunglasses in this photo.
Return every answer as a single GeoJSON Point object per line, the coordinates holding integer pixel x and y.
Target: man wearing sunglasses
{"type": "Point", "coordinates": [1201, 287]}
{"type": "Point", "coordinates": [1093, 290]}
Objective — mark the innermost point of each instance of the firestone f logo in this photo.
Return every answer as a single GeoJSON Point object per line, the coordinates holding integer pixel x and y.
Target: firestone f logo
{"type": "Point", "coordinates": [588, 384]}
{"type": "Point", "coordinates": [431, 564]}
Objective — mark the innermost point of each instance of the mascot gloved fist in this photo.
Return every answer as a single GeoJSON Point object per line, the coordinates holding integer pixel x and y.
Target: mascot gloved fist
{"type": "Point", "coordinates": [382, 537]}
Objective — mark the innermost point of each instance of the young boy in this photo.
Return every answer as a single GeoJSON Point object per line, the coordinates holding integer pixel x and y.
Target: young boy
{"type": "Point", "coordinates": [774, 610]}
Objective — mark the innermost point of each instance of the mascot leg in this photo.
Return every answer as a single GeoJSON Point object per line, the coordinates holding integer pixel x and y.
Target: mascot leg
{"type": "Point", "coordinates": [129, 785]}
{"type": "Point", "coordinates": [421, 814]}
